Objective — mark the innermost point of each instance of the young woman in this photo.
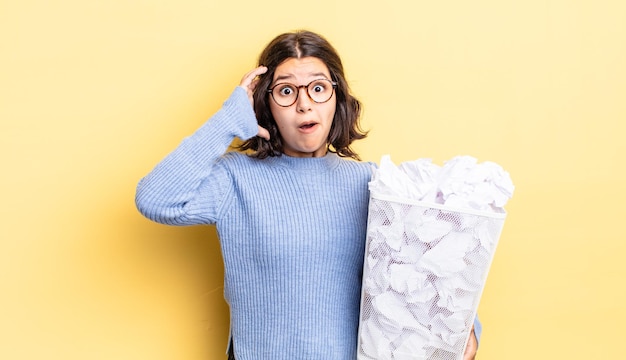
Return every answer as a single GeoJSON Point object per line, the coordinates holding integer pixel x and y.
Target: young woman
{"type": "Point", "coordinates": [290, 207]}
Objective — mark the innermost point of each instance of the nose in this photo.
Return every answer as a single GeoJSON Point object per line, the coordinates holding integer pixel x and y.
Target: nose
{"type": "Point", "coordinates": [303, 102]}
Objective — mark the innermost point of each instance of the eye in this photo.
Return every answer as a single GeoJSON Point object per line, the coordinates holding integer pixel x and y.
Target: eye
{"type": "Point", "coordinates": [286, 90]}
{"type": "Point", "coordinates": [319, 86]}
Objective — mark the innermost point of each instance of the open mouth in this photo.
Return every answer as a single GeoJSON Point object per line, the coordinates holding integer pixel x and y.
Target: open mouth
{"type": "Point", "coordinates": [307, 125]}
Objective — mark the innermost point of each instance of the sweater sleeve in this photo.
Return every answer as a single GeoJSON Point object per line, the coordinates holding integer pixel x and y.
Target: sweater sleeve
{"type": "Point", "coordinates": [187, 186]}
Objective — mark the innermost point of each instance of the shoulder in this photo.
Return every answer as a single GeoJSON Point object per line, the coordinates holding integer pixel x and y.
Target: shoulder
{"type": "Point", "coordinates": [364, 166]}
{"type": "Point", "coordinates": [231, 161]}
{"type": "Point", "coordinates": [357, 170]}
{"type": "Point", "coordinates": [237, 162]}
{"type": "Point", "coordinates": [234, 158]}
{"type": "Point", "coordinates": [231, 156]}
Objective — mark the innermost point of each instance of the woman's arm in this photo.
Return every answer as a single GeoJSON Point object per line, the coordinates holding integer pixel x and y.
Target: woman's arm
{"type": "Point", "coordinates": [169, 194]}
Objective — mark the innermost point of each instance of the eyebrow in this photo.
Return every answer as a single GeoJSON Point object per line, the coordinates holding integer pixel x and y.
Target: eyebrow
{"type": "Point", "coordinates": [285, 77]}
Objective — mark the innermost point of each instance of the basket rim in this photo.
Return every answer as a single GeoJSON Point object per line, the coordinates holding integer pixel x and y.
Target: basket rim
{"type": "Point", "coordinates": [496, 215]}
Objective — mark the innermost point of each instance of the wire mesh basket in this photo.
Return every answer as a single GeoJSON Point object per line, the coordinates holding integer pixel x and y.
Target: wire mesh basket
{"type": "Point", "coordinates": [424, 271]}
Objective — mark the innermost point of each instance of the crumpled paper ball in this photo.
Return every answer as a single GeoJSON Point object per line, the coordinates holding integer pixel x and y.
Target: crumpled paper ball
{"type": "Point", "coordinates": [462, 182]}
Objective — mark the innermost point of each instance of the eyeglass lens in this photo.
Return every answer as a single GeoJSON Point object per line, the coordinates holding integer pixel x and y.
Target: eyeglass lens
{"type": "Point", "coordinates": [319, 91]}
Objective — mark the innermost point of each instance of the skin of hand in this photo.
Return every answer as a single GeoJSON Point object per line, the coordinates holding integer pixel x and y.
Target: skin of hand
{"type": "Point", "coordinates": [471, 348]}
{"type": "Point", "coordinates": [249, 83]}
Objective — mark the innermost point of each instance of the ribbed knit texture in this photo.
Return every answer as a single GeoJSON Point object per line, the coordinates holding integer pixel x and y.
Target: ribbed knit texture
{"type": "Point", "coordinates": [292, 233]}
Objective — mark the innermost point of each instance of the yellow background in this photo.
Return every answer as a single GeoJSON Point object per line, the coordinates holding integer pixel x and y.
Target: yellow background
{"type": "Point", "coordinates": [93, 93]}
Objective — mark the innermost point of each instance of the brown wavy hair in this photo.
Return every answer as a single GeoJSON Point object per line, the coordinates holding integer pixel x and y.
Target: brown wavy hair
{"type": "Point", "coordinates": [345, 127]}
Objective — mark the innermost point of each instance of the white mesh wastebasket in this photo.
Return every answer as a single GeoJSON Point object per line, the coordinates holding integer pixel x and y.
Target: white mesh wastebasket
{"type": "Point", "coordinates": [424, 271]}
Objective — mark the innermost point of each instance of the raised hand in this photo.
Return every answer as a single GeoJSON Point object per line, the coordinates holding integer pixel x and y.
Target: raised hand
{"type": "Point", "coordinates": [249, 83]}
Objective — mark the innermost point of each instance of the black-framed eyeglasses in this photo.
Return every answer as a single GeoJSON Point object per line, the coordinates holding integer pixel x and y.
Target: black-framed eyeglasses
{"type": "Point", "coordinates": [286, 94]}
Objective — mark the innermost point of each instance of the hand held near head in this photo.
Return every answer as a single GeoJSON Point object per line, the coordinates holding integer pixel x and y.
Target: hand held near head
{"type": "Point", "coordinates": [249, 83]}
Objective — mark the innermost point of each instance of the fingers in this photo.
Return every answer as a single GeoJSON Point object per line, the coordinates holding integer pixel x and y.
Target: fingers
{"type": "Point", "coordinates": [471, 348]}
{"type": "Point", "coordinates": [248, 79]}
{"type": "Point", "coordinates": [249, 83]}
{"type": "Point", "coordinates": [263, 133]}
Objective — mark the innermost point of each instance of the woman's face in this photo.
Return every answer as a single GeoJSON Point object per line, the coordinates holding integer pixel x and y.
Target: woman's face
{"type": "Point", "coordinates": [304, 126]}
